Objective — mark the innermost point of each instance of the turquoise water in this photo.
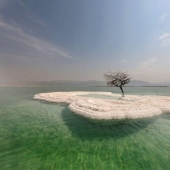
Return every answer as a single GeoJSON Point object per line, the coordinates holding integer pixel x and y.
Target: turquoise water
{"type": "Point", "coordinates": [36, 135]}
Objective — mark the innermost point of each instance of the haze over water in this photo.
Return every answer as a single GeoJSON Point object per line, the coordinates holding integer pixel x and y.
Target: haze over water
{"type": "Point", "coordinates": [39, 135]}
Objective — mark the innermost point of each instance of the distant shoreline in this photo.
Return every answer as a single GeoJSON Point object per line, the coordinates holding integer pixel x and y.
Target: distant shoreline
{"type": "Point", "coordinates": [70, 86]}
{"type": "Point", "coordinates": [130, 86]}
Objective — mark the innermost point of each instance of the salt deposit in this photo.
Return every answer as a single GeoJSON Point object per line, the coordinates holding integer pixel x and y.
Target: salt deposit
{"type": "Point", "coordinates": [128, 107]}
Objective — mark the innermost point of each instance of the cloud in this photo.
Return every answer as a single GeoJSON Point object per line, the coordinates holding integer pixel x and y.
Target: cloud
{"type": "Point", "coordinates": [15, 42]}
{"type": "Point", "coordinates": [165, 39]}
{"type": "Point", "coordinates": [163, 17]}
{"type": "Point", "coordinates": [166, 42]}
{"type": "Point", "coordinates": [29, 15]}
{"type": "Point", "coordinates": [147, 64]}
{"type": "Point", "coordinates": [164, 36]}
{"type": "Point", "coordinates": [36, 20]}
{"type": "Point", "coordinates": [20, 3]}
{"type": "Point", "coordinates": [124, 61]}
{"type": "Point", "coordinates": [6, 26]}
{"type": "Point", "coordinates": [153, 60]}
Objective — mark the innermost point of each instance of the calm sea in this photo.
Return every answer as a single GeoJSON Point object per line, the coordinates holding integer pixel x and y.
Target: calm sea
{"type": "Point", "coordinates": [37, 135]}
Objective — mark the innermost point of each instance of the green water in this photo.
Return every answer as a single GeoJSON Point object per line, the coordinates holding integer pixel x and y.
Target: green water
{"type": "Point", "coordinates": [42, 136]}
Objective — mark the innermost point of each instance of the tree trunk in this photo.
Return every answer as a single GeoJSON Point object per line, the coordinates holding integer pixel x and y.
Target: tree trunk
{"type": "Point", "coordinates": [122, 90]}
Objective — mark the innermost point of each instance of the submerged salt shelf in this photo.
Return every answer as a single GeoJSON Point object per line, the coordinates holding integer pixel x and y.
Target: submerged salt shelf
{"type": "Point", "coordinates": [116, 107]}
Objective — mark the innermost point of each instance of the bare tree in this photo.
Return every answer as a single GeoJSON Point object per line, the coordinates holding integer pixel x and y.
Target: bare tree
{"type": "Point", "coordinates": [117, 79]}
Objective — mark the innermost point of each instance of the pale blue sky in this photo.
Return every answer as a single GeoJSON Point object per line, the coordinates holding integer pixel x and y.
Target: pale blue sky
{"type": "Point", "coordinates": [83, 39]}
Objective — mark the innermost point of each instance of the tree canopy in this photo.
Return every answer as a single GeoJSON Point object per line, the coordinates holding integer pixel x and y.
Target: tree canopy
{"type": "Point", "coordinates": [117, 79]}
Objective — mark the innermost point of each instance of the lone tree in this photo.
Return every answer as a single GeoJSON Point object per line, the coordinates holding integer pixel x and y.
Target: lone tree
{"type": "Point", "coordinates": [117, 79]}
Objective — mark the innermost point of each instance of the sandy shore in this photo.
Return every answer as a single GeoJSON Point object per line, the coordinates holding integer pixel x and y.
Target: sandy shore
{"type": "Point", "coordinates": [128, 107]}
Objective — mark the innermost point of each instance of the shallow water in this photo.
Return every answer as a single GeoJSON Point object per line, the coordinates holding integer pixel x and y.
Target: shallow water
{"type": "Point", "coordinates": [39, 135]}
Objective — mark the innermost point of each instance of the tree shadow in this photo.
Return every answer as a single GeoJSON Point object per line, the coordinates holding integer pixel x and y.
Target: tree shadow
{"type": "Point", "coordinates": [90, 130]}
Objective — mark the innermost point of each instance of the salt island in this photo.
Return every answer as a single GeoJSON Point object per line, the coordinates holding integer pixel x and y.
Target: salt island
{"type": "Point", "coordinates": [109, 106]}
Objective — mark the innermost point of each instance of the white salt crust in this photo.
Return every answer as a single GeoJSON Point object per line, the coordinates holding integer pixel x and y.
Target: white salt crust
{"type": "Point", "coordinates": [128, 107]}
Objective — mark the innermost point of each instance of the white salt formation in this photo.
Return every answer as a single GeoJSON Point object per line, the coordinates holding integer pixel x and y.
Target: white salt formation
{"type": "Point", "coordinates": [128, 107]}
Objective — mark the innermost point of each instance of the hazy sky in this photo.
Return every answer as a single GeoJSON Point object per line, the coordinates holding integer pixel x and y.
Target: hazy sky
{"type": "Point", "coordinates": [83, 39]}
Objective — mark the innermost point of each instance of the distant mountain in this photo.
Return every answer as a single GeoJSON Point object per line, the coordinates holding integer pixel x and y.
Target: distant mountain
{"type": "Point", "coordinates": [162, 84]}
{"type": "Point", "coordinates": [138, 83]}
{"type": "Point", "coordinates": [84, 83]}
{"type": "Point", "coordinates": [70, 83]}
{"type": "Point", "coordinates": [87, 83]}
